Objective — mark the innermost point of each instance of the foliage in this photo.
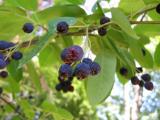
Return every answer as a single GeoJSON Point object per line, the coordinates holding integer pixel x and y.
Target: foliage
{"type": "Point", "coordinates": [35, 75]}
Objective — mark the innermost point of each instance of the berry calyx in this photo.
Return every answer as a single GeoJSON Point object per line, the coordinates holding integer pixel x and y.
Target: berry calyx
{"type": "Point", "coordinates": [70, 88]}
{"type": "Point", "coordinates": [146, 77]}
{"type": "Point", "coordinates": [62, 27]}
{"type": "Point", "coordinates": [102, 31]}
{"type": "Point", "coordinates": [4, 74]}
{"type": "Point", "coordinates": [123, 71]}
{"type": "Point", "coordinates": [135, 80]}
{"type": "Point", "coordinates": [28, 27]}
{"type": "Point", "coordinates": [87, 60]}
{"type": "Point", "coordinates": [65, 72]}
{"type": "Point", "coordinates": [149, 85]}
{"type": "Point", "coordinates": [82, 71]}
{"type": "Point", "coordinates": [2, 64]}
{"type": "Point", "coordinates": [158, 8]}
{"type": "Point", "coordinates": [17, 55]}
{"type": "Point", "coordinates": [95, 68]}
{"type": "Point", "coordinates": [72, 54]}
{"type": "Point", "coordinates": [104, 20]}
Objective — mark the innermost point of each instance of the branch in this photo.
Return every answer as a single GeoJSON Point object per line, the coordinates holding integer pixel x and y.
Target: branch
{"type": "Point", "coordinates": [82, 32]}
{"type": "Point", "coordinates": [21, 115]}
{"type": "Point", "coordinates": [143, 11]}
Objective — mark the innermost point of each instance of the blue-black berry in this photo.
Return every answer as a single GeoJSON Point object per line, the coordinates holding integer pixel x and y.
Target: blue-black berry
{"type": "Point", "coordinates": [95, 68]}
{"type": "Point", "coordinates": [2, 64]}
{"type": "Point", "coordinates": [135, 80]}
{"type": "Point", "coordinates": [149, 85]}
{"type": "Point", "coordinates": [123, 71]}
{"type": "Point", "coordinates": [141, 83]}
{"type": "Point", "coordinates": [17, 55]}
{"type": "Point", "coordinates": [65, 72]}
{"type": "Point", "coordinates": [72, 54]}
{"type": "Point", "coordinates": [6, 45]}
{"type": "Point", "coordinates": [59, 87]}
{"type": "Point", "coordinates": [158, 8]}
{"type": "Point", "coordinates": [87, 60]}
{"type": "Point", "coordinates": [3, 74]}
{"type": "Point", "coordinates": [82, 71]}
{"type": "Point", "coordinates": [146, 77]}
{"type": "Point", "coordinates": [1, 90]}
{"type": "Point", "coordinates": [104, 20]}
{"type": "Point", "coordinates": [102, 31]}
{"type": "Point", "coordinates": [28, 27]}
{"type": "Point", "coordinates": [62, 27]}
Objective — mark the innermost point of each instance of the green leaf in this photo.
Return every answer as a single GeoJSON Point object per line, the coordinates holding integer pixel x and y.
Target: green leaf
{"type": "Point", "coordinates": [34, 75]}
{"type": "Point", "coordinates": [151, 30]}
{"type": "Point", "coordinates": [34, 51]}
{"type": "Point", "coordinates": [58, 113]}
{"type": "Point", "coordinates": [26, 4]}
{"type": "Point", "coordinates": [50, 59]}
{"type": "Point", "coordinates": [157, 55]}
{"type": "Point", "coordinates": [150, 1]}
{"type": "Point", "coordinates": [98, 87]}
{"type": "Point", "coordinates": [14, 71]}
{"type": "Point", "coordinates": [131, 6]}
{"type": "Point", "coordinates": [76, 1]}
{"type": "Point", "coordinates": [121, 20]}
{"type": "Point", "coordinates": [144, 60]}
{"type": "Point", "coordinates": [53, 23]}
{"type": "Point", "coordinates": [60, 11]}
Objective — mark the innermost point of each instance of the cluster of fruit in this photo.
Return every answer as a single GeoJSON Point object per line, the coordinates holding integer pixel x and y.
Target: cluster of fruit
{"type": "Point", "coordinates": [7, 51]}
{"type": "Point", "coordinates": [145, 80]}
{"type": "Point", "coordinates": [72, 67]}
{"type": "Point", "coordinates": [5, 57]}
{"type": "Point", "coordinates": [102, 31]}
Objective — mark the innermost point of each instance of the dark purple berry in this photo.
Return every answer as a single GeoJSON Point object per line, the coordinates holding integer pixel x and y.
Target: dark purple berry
{"type": "Point", "coordinates": [146, 77]}
{"type": "Point", "coordinates": [72, 54]}
{"type": "Point", "coordinates": [149, 85]}
{"type": "Point", "coordinates": [102, 31]}
{"type": "Point", "coordinates": [28, 27]}
{"type": "Point", "coordinates": [62, 27]}
{"type": "Point", "coordinates": [82, 71]}
{"type": "Point", "coordinates": [2, 64]}
{"type": "Point", "coordinates": [135, 80]}
{"type": "Point", "coordinates": [143, 51]}
{"type": "Point", "coordinates": [104, 20]}
{"type": "Point", "coordinates": [17, 55]}
{"type": "Point", "coordinates": [59, 87]}
{"type": "Point", "coordinates": [65, 72]}
{"type": "Point", "coordinates": [6, 45]}
{"type": "Point", "coordinates": [141, 83]}
{"type": "Point", "coordinates": [70, 88]}
{"type": "Point", "coordinates": [139, 69]}
{"type": "Point", "coordinates": [95, 68]}
{"type": "Point", "coordinates": [158, 8]}
{"type": "Point", "coordinates": [87, 60]}
{"type": "Point", "coordinates": [123, 71]}
{"type": "Point", "coordinates": [1, 90]}
{"type": "Point", "coordinates": [4, 74]}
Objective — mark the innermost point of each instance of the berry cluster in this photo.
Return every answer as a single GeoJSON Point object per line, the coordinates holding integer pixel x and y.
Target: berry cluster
{"type": "Point", "coordinates": [70, 56]}
{"type": "Point", "coordinates": [102, 31]}
{"type": "Point", "coordinates": [5, 57]}
{"type": "Point", "coordinates": [145, 80]}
